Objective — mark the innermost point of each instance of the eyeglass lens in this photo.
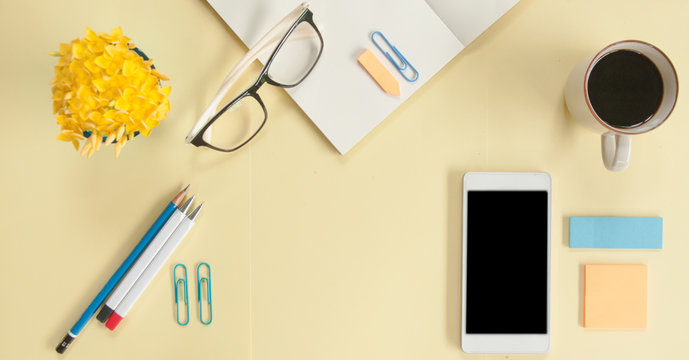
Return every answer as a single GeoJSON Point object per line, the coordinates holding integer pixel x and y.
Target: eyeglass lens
{"type": "Point", "coordinates": [290, 65]}
{"type": "Point", "coordinates": [297, 56]}
{"type": "Point", "coordinates": [237, 124]}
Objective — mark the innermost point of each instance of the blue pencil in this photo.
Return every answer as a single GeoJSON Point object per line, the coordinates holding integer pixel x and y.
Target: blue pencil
{"type": "Point", "coordinates": [115, 278]}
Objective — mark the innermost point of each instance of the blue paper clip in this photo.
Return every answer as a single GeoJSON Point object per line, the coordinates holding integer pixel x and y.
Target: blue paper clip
{"type": "Point", "coordinates": [183, 281]}
{"type": "Point", "coordinates": [403, 64]}
{"type": "Point", "coordinates": [199, 283]}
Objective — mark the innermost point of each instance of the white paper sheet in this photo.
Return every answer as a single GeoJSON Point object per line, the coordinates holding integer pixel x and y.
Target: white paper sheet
{"type": "Point", "coordinates": [467, 19]}
{"type": "Point", "coordinates": [339, 96]}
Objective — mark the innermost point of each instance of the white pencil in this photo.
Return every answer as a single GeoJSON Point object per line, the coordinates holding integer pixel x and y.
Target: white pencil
{"type": "Point", "coordinates": [156, 264]}
{"type": "Point", "coordinates": [143, 261]}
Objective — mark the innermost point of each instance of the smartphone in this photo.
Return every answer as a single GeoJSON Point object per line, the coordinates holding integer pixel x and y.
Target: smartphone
{"type": "Point", "coordinates": [506, 236]}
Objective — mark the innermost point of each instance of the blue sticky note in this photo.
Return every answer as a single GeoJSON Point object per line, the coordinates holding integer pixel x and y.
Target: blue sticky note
{"type": "Point", "coordinates": [615, 232]}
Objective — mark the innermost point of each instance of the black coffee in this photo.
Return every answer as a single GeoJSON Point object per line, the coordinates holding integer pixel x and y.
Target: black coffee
{"type": "Point", "coordinates": [625, 88]}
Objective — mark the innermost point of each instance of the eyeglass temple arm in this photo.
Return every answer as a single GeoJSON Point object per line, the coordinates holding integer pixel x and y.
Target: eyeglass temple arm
{"type": "Point", "coordinates": [267, 42]}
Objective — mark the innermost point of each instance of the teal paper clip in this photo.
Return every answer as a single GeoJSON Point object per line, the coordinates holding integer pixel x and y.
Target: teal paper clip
{"type": "Point", "coordinates": [403, 63]}
{"type": "Point", "coordinates": [177, 282]}
{"type": "Point", "coordinates": [199, 282]}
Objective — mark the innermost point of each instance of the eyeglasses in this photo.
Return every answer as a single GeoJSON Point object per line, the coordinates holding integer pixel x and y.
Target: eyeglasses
{"type": "Point", "coordinates": [242, 113]}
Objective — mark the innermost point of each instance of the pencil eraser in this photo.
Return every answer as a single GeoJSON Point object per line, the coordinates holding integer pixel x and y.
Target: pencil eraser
{"type": "Point", "coordinates": [113, 321]}
{"type": "Point", "coordinates": [593, 232]}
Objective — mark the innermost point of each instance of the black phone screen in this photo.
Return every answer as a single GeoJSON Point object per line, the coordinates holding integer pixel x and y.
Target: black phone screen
{"type": "Point", "coordinates": [507, 262]}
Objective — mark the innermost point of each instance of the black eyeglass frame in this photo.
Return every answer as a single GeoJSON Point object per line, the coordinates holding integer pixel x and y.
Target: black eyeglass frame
{"type": "Point", "coordinates": [263, 77]}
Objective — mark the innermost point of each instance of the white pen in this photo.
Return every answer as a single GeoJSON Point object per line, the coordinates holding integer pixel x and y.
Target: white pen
{"type": "Point", "coordinates": [142, 262]}
{"type": "Point", "coordinates": [152, 269]}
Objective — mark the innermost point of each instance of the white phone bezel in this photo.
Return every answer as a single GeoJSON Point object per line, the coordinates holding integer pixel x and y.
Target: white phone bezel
{"type": "Point", "coordinates": [504, 343]}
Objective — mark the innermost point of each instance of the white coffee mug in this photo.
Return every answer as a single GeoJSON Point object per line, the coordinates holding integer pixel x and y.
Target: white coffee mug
{"type": "Point", "coordinates": [616, 142]}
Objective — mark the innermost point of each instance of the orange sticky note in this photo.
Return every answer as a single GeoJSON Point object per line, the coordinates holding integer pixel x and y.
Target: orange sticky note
{"type": "Point", "coordinates": [615, 296]}
{"type": "Point", "coordinates": [379, 73]}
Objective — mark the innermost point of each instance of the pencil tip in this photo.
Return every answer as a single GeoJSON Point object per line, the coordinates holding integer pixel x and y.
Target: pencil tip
{"type": "Point", "coordinates": [180, 195]}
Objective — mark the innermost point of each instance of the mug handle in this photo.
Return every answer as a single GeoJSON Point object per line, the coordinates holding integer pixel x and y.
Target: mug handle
{"type": "Point", "coordinates": [617, 150]}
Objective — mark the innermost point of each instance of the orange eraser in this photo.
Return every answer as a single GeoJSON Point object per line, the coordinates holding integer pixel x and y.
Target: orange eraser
{"type": "Point", "coordinates": [379, 73]}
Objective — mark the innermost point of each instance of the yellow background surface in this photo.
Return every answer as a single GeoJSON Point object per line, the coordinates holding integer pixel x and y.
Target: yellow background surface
{"type": "Point", "coordinates": [317, 255]}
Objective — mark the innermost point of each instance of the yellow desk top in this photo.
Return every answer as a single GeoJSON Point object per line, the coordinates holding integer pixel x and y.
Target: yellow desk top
{"type": "Point", "coordinates": [317, 255]}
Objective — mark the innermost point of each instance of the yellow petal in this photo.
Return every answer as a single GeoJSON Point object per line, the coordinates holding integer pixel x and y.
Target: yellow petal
{"type": "Point", "coordinates": [122, 104]}
{"type": "Point", "coordinates": [128, 93]}
{"type": "Point", "coordinates": [165, 106]}
{"type": "Point", "coordinates": [110, 139]}
{"type": "Point", "coordinates": [83, 93]}
{"type": "Point", "coordinates": [116, 32]}
{"type": "Point", "coordinates": [85, 148]}
{"type": "Point", "coordinates": [106, 37]}
{"type": "Point", "coordinates": [159, 75]}
{"type": "Point", "coordinates": [123, 118]}
{"type": "Point", "coordinates": [100, 85]}
{"type": "Point", "coordinates": [91, 35]}
{"type": "Point", "coordinates": [65, 136]}
{"type": "Point", "coordinates": [102, 61]}
{"type": "Point", "coordinates": [92, 66]}
{"type": "Point", "coordinates": [95, 116]}
{"type": "Point", "coordinates": [79, 51]}
{"type": "Point", "coordinates": [151, 123]}
{"type": "Point", "coordinates": [76, 145]}
{"type": "Point", "coordinates": [96, 46]}
{"type": "Point", "coordinates": [74, 67]}
{"type": "Point", "coordinates": [111, 50]}
{"type": "Point", "coordinates": [121, 47]}
{"type": "Point", "coordinates": [112, 69]}
{"type": "Point", "coordinates": [110, 114]}
{"type": "Point", "coordinates": [166, 90]}
{"type": "Point", "coordinates": [128, 68]}
{"type": "Point", "coordinates": [150, 84]}
{"type": "Point", "coordinates": [139, 77]}
{"type": "Point", "coordinates": [120, 132]}
{"type": "Point", "coordinates": [57, 95]}
{"type": "Point", "coordinates": [145, 132]}
{"type": "Point", "coordinates": [118, 148]}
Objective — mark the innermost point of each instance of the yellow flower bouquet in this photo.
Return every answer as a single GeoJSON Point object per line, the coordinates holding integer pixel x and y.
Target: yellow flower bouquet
{"type": "Point", "coordinates": [106, 91]}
